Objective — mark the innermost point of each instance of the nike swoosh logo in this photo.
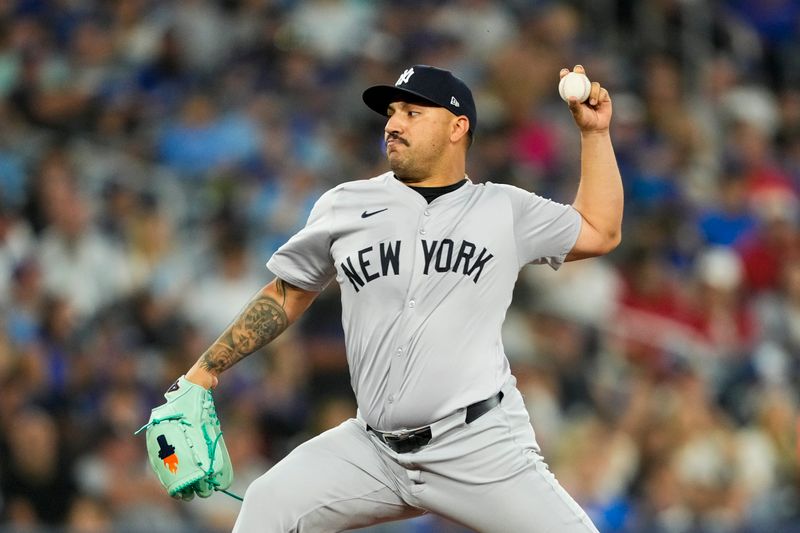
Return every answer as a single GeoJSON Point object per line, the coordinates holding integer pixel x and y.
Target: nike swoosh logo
{"type": "Point", "coordinates": [365, 214]}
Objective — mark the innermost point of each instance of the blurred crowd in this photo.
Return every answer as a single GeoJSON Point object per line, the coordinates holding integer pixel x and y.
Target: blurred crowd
{"type": "Point", "coordinates": [154, 153]}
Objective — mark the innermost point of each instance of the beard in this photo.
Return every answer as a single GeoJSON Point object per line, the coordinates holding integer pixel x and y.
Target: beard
{"type": "Point", "coordinates": [405, 166]}
{"type": "Point", "coordinates": [405, 170]}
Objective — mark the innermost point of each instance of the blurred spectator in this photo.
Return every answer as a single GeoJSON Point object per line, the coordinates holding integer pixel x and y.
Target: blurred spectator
{"type": "Point", "coordinates": [654, 317]}
{"type": "Point", "coordinates": [333, 29]}
{"type": "Point", "coordinates": [600, 484]}
{"type": "Point", "coordinates": [279, 208]}
{"type": "Point", "coordinates": [282, 399]}
{"type": "Point", "coordinates": [46, 93]}
{"type": "Point", "coordinates": [490, 25]}
{"type": "Point", "coordinates": [36, 480]}
{"type": "Point", "coordinates": [730, 219]}
{"type": "Point", "coordinates": [16, 245]}
{"type": "Point", "coordinates": [771, 246]}
{"type": "Point", "coordinates": [205, 33]}
{"type": "Point", "coordinates": [77, 262]}
{"type": "Point", "coordinates": [164, 78]}
{"type": "Point", "coordinates": [720, 311]}
{"type": "Point", "coordinates": [780, 324]}
{"type": "Point", "coordinates": [89, 515]}
{"type": "Point", "coordinates": [776, 24]}
{"type": "Point", "coordinates": [585, 292]}
{"type": "Point", "coordinates": [12, 177]}
{"type": "Point", "coordinates": [765, 457]}
{"type": "Point", "coordinates": [224, 290]}
{"type": "Point", "coordinates": [204, 140]}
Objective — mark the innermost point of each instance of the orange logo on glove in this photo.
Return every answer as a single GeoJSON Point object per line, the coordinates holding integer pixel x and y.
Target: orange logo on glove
{"type": "Point", "coordinates": [171, 462]}
{"type": "Point", "coordinates": [166, 453]}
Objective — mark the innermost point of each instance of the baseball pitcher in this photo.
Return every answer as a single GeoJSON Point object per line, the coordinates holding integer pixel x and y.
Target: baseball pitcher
{"type": "Point", "coordinates": [426, 261]}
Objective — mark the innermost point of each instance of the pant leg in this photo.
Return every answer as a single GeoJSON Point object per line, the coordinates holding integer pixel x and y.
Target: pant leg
{"type": "Point", "coordinates": [531, 502]}
{"type": "Point", "coordinates": [490, 477]}
{"type": "Point", "coordinates": [334, 482]}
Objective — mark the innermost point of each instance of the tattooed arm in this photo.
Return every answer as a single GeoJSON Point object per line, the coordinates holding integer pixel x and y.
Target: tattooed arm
{"type": "Point", "coordinates": [271, 311]}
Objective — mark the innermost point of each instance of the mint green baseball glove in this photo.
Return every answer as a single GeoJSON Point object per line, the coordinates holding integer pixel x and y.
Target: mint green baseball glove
{"type": "Point", "coordinates": [185, 445]}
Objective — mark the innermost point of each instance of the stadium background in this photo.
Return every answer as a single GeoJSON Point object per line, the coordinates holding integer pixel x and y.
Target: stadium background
{"type": "Point", "coordinates": [154, 153]}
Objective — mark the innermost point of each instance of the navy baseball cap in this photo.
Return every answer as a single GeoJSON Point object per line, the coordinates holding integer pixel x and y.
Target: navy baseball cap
{"type": "Point", "coordinates": [429, 84]}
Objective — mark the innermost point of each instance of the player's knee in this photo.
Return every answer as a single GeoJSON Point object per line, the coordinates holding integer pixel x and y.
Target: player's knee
{"type": "Point", "coordinates": [274, 506]}
{"type": "Point", "coordinates": [268, 508]}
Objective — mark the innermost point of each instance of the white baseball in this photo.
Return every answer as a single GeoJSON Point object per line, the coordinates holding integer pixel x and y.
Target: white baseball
{"type": "Point", "coordinates": [574, 84]}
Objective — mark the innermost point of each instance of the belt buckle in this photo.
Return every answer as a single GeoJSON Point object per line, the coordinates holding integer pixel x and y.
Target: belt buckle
{"type": "Point", "coordinates": [398, 436]}
{"type": "Point", "coordinates": [406, 440]}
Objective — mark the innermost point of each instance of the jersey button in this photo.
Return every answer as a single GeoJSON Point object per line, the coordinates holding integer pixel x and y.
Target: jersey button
{"type": "Point", "coordinates": [390, 399]}
{"type": "Point", "coordinates": [427, 213]}
{"type": "Point", "coordinates": [422, 231]}
{"type": "Point", "coordinates": [411, 304]}
{"type": "Point", "coordinates": [399, 352]}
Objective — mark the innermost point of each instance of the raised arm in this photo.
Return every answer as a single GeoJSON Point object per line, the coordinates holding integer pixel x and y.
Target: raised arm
{"type": "Point", "coordinates": [272, 310]}
{"type": "Point", "coordinates": [599, 199]}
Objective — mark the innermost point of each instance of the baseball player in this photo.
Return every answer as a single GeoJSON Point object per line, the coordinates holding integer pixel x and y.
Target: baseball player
{"type": "Point", "coordinates": [426, 261]}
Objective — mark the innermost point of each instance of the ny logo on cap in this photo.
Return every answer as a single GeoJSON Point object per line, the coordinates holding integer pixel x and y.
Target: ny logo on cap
{"type": "Point", "coordinates": [405, 76]}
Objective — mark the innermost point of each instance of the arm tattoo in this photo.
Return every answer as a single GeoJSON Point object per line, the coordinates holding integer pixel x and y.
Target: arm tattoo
{"type": "Point", "coordinates": [282, 286]}
{"type": "Point", "coordinates": [261, 321]}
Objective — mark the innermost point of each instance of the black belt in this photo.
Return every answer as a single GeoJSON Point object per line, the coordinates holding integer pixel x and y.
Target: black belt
{"type": "Point", "coordinates": [409, 441]}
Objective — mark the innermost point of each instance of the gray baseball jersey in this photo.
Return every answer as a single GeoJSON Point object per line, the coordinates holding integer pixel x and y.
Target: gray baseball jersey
{"type": "Point", "coordinates": [424, 287]}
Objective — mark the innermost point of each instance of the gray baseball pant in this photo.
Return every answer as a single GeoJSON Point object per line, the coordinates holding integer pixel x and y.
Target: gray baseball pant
{"type": "Point", "coordinates": [487, 476]}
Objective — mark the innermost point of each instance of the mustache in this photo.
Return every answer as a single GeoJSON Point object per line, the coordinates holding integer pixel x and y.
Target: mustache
{"type": "Point", "coordinates": [395, 137]}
